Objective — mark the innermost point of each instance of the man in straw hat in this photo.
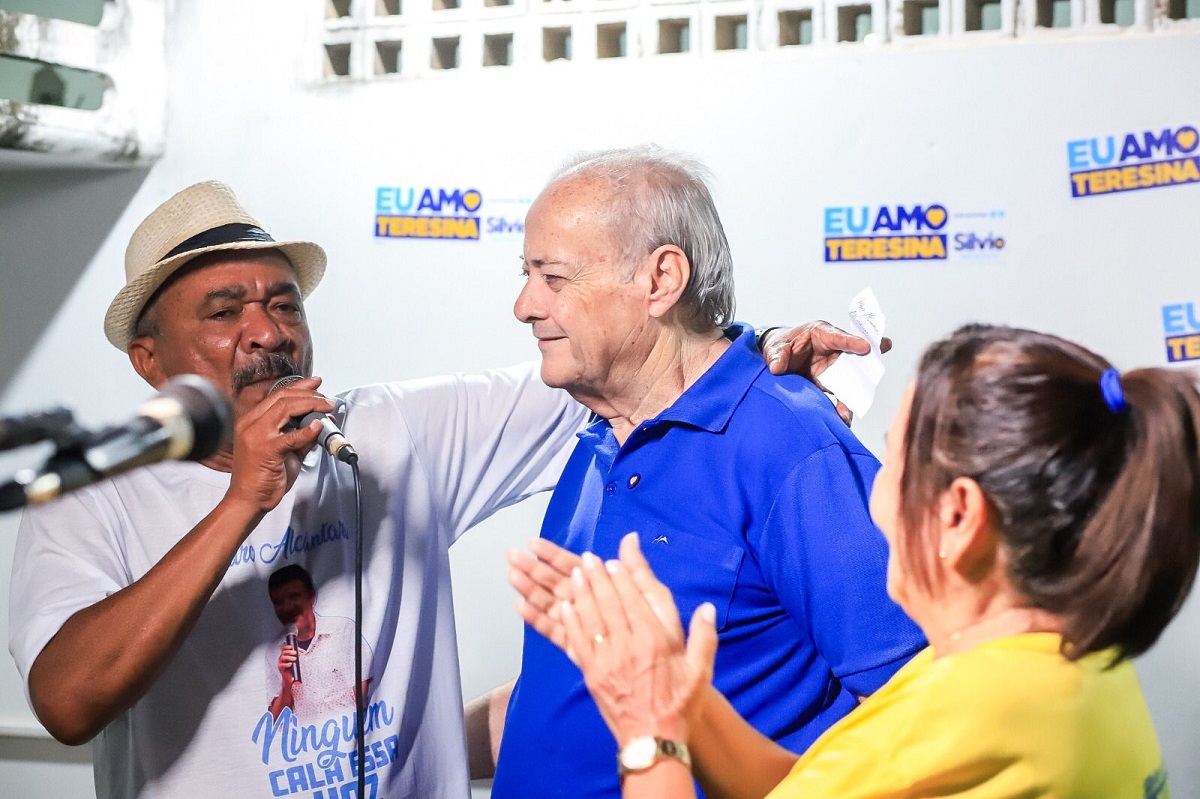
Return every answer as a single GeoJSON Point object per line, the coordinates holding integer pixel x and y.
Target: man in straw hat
{"type": "Point", "coordinates": [139, 616]}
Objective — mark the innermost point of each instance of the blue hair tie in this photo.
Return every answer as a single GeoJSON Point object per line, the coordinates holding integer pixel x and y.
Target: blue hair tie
{"type": "Point", "coordinates": [1110, 387]}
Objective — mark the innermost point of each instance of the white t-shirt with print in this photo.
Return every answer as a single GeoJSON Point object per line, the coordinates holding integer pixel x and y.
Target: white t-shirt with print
{"type": "Point", "coordinates": [437, 456]}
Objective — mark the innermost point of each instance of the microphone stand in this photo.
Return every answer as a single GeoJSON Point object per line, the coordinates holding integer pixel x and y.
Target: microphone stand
{"type": "Point", "coordinates": [29, 428]}
{"type": "Point", "coordinates": [67, 460]}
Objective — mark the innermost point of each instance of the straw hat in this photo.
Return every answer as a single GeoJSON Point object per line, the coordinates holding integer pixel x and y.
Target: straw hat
{"type": "Point", "coordinates": [202, 218]}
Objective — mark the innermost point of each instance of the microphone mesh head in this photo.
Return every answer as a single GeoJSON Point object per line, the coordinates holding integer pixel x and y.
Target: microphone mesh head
{"type": "Point", "coordinates": [284, 382]}
{"type": "Point", "coordinates": [206, 408]}
{"type": "Point", "coordinates": [297, 421]}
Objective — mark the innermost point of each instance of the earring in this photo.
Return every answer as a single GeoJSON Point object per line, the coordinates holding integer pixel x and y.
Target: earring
{"type": "Point", "coordinates": [942, 554]}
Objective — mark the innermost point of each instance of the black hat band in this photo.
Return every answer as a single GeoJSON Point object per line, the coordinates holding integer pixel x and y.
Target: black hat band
{"type": "Point", "coordinates": [225, 234]}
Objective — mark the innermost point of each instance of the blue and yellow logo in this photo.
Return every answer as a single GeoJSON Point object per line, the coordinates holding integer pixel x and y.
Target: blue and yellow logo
{"type": "Point", "coordinates": [1181, 325]}
{"type": "Point", "coordinates": [411, 213]}
{"type": "Point", "coordinates": [887, 233]}
{"type": "Point", "coordinates": [1143, 160]}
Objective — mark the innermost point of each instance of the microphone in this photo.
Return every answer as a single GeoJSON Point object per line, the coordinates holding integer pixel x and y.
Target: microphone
{"type": "Point", "coordinates": [290, 640]}
{"type": "Point", "coordinates": [330, 438]}
{"type": "Point", "coordinates": [189, 419]}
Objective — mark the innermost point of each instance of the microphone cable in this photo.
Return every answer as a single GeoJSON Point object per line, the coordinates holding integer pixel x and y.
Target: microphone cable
{"type": "Point", "coordinates": [359, 695]}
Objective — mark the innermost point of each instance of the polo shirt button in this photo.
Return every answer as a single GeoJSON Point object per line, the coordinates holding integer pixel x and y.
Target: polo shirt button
{"type": "Point", "coordinates": [611, 488]}
{"type": "Point", "coordinates": [634, 480]}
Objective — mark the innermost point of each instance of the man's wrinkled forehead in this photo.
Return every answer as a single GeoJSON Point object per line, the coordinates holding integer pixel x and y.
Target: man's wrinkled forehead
{"type": "Point", "coordinates": [213, 260]}
{"type": "Point", "coordinates": [240, 262]}
{"type": "Point", "coordinates": [238, 291]}
{"type": "Point", "coordinates": [562, 218]}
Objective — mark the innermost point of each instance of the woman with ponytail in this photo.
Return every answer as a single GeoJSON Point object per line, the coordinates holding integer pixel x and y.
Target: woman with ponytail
{"type": "Point", "coordinates": [1043, 518]}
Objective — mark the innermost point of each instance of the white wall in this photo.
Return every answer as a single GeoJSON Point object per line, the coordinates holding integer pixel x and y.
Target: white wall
{"type": "Point", "coordinates": [975, 128]}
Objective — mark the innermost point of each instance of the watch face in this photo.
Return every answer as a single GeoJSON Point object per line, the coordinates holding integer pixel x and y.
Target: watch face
{"type": "Point", "coordinates": [639, 753]}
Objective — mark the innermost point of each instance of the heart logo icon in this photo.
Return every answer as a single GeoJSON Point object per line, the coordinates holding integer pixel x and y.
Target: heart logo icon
{"type": "Point", "coordinates": [935, 216]}
{"type": "Point", "coordinates": [1186, 139]}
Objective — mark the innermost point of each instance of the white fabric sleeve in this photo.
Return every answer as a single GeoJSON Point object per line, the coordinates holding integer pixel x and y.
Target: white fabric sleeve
{"type": "Point", "coordinates": [67, 558]}
{"type": "Point", "coordinates": [489, 440]}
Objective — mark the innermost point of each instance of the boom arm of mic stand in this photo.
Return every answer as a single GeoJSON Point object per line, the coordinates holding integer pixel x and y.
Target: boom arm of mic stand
{"type": "Point", "coordinates": [63, 471]}
{"type": "Point", "coordinates": [56, 424]}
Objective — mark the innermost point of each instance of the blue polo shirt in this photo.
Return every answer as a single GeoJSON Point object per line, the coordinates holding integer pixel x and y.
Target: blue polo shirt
{"type": "Point", "coordinates": [750, 493]}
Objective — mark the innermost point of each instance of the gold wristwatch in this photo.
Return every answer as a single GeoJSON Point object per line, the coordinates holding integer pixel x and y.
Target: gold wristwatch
{"type": "Point", "coordinates": [644, 751]}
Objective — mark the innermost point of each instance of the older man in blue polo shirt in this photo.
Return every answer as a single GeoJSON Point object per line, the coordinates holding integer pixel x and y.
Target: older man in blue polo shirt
{"type": "Point", "coordinates": [746, 489]}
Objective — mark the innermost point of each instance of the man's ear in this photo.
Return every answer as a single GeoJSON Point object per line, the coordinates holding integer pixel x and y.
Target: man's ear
{"type": "Point", "coordinates": [968, 543]}
{"type": "Point", "coordinates": [145, 360]}
{"type": "Point", "coordinates": [669, 272]}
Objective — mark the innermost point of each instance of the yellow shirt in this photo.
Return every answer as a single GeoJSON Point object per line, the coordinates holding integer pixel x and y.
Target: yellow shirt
{"type": "Point", "coordinates": [1010, 718]}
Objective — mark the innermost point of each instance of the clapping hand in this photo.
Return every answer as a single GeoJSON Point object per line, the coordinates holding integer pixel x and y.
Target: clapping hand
{"type": "Point", "coordinates": [620, 626]}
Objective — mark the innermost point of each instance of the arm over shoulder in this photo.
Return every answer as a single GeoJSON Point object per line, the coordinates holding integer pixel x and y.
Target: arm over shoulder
{"type": "Point", "coordinates": [488, 440]}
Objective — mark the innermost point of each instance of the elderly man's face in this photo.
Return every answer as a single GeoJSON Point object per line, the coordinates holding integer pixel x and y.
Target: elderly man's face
{"type": "Point", "coordinates": [585, 316]}
{"type": "Point", "coordinates": [237, 321]}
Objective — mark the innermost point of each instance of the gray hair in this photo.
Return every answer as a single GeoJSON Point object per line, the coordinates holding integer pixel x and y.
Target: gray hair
{"type": "Point", "coordinates": [660, 197]}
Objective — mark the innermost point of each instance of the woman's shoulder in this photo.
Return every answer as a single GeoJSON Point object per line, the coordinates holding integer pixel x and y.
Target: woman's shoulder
{"type": "Point", "coordinates": [1010, 717]}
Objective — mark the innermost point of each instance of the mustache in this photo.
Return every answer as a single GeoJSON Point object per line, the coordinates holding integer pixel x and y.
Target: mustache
{"type": "Point", "coordinates": [271, 365]}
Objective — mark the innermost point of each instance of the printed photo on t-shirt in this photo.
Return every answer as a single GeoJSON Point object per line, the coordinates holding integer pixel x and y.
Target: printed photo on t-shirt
{"type": "Point", "coordinates": [311, 669]}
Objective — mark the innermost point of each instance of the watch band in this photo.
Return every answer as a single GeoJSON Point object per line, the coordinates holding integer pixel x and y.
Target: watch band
{"type": "Point", "coordinates": [760, 337]}
{"type": "Point", "coordinates": [643, 752]}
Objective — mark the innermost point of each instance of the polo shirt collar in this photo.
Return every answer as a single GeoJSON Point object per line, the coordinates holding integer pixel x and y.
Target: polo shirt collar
{"type": "Point", "coordinates": [708, 403]}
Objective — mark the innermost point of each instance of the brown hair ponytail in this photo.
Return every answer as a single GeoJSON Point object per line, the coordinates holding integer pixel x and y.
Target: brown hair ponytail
{"type": "Point", "coordinates": [1097, 494]}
